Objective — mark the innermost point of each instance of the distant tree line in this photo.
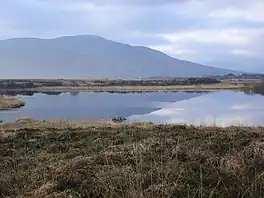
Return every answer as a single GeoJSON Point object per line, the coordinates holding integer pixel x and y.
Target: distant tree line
{"type": "Point", "coordinates": [169, 82]}
{"type": "Point", "coordinates": [240, 76]}
{"type": "Point", "coordinates": [14, 85]}
{"type": "Point", "coordinates": [28, 84]}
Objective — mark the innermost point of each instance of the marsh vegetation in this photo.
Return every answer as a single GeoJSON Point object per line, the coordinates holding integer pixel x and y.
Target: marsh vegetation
{"type": "Point", "coordinates": [10, 103]}
{"type": "Point", "coordinates": [62, 159]}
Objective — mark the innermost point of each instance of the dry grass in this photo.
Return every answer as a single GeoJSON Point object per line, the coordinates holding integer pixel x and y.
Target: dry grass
{"type": "Point", "coordinates": [146, 88]}
{"type": "Point", "coordinates": [55, 159]}
{"type": "Point", "coordinates": [9, 103]}
{"type": "Point", "coordinates": [205, 87]}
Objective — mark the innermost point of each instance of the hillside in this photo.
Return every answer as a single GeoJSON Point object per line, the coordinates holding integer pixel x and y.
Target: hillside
{"type": "Point", "coordinates": [91, 57]}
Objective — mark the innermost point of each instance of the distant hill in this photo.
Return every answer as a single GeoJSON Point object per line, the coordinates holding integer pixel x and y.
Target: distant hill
{"type": "Point", "coordinates": [91, 57]}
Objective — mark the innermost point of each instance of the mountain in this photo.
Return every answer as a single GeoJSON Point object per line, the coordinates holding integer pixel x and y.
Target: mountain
{"type": "Point", "coordinates": [91, 57]}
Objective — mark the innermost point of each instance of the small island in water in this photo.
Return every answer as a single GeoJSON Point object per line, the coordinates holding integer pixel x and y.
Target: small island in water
{"type": "Point", "coordinates": [10, 103]}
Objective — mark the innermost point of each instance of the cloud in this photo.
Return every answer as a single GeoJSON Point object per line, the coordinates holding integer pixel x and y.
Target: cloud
{"type": "Point", "coordinates": [120, 2]}
{"type": "Point", "coordinates": [223, 48]}
{"type": "Point", "coordinates": [242, 52]}
{"type": "Point", "coordinates": [252, 13]}
{"type": "Point", "coordinates": [223, 33]}
{"type": "Point", "coordinates": [215, 36]}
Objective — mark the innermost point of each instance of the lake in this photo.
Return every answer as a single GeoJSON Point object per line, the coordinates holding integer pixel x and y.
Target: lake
{"type": "Point", "coordinates": [221, 108]}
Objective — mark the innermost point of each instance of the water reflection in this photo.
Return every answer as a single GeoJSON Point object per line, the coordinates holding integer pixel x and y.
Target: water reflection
{"type": "Point", "coordinates": [74, 93]}
{"type": "Point", "coordinates": [90, 105]}
{"type": "Point", "coordinates": [254, 91]}
{"type": "Point", "coordinates": [27, 93]}
{"type": "Point", "coordinates": [223, 108]}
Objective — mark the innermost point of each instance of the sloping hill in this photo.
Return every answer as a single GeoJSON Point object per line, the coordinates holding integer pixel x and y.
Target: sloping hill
{"type": "Point", "coordinates": [91, 57]}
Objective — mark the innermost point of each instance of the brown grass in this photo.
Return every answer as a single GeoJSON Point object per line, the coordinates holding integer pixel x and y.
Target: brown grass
{"type": "Point", "coordinates": [9, 103]}
{"type": "Point", "coordinates": [145, 88]}
{"type": "Point", "coordinates": [56, 159]}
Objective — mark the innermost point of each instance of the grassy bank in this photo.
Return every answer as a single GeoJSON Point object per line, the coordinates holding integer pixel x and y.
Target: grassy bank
{"type": "Point", "coordinates": [59, 159]}
{"type": "Point", "coordinates": [10, 103]}
{"type": "Point", "coordinates": [66, 85]}
{"type": "Point", "coordinates": [139, 88]}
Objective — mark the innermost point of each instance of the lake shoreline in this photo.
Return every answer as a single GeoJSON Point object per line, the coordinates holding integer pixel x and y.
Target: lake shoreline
{"type": "Point", "coordinates": [174, 88]}
{"type": "Point", "coordinates": [70, 159]}
{"type": "Point", "coordinates": [223, 108]}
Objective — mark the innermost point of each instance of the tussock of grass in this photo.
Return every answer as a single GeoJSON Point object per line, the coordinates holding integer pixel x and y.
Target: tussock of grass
{"type": "Point", "coordinates": [140, 160]}
{"type": "Point", "coordinates": [10, 103]}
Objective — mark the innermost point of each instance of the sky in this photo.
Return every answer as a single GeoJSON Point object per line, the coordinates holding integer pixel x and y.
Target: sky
{"type": "Point", "coordinates": [227, 33]}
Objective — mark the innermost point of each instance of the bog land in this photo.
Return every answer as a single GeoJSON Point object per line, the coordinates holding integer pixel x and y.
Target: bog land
{"type": "Point", "coordinates": [79, 159]}
{"type": "Point", "coordinates": [180, 84]}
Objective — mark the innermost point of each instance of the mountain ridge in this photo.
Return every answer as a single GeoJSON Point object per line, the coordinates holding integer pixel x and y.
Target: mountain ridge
{"type": "Point", "coordinates": [91, 56]}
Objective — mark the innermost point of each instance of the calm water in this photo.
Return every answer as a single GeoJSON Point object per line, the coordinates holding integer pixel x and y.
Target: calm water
{"type": "Point", "coordinates": [223, 108]}
{"type": "Point", "coordinates": [215, 108]}
{"type": "Point", "coordinates": [89, 105]}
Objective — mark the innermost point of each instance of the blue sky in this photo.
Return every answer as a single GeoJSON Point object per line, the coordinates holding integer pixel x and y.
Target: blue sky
{"type": "Point", "coordinates": [227, 34]}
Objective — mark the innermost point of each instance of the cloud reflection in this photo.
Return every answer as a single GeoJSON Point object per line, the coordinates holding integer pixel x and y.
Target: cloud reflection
{"type": "Point", "coordinates": [223, 108]}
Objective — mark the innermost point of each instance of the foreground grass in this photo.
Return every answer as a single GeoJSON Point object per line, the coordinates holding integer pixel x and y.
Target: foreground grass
{"type": "Point", "coordinates": [61, 159]}
{"type": "Point", "coordinates": [9, 103]}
